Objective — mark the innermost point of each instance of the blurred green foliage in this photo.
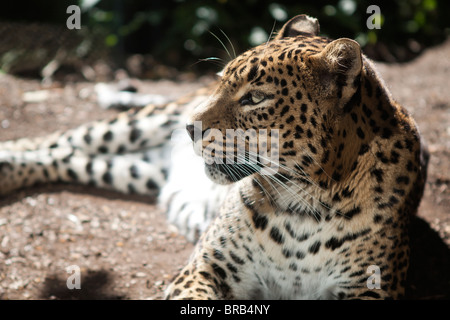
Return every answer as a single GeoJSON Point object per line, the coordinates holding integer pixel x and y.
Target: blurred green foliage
{"type": "Point", "coordinates": [182, 32]}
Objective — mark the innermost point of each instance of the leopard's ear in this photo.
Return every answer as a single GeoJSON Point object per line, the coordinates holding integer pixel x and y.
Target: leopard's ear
{"type": "Point", "coordinates": [339, 67]}
{"type": "Point", "coordinates": [342, 56]}
{"type": "Point", "coordinates": [299, 25]}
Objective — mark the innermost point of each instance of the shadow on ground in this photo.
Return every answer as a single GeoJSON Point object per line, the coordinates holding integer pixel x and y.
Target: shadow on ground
{"type": "Point", "coordinates": [429, 272]}
{"type": "Point", "coordinates": [56, 188]}
{"type": "Point", "coordinates": [96, 285]}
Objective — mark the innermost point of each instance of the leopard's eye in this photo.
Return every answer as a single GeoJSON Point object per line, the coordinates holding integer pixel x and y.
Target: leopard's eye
{"type": "Point", "coordinates": [252, 98]}
{"type": "Point", "coordinates": [257, 97]}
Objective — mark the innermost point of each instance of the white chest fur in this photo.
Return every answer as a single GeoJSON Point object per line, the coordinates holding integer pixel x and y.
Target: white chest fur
{"type": "Point", "coordinates": [299, 268]}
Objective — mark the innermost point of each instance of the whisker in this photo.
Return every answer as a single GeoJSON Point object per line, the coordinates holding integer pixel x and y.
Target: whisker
{"type": "Point", "coordinates": [210, 59]}
{"type": "Point", "coordinates": [233, 168]}
{"type": "Point", "coordinates": [271, 33]}
{"type": "Point", "coordinates": [290, 170]}
{"type": "Point", "coordinates": [289, 189]}
{"type": "Point", "coordinates": [230, 173]}
{"type": "Point", "coordinates": [272, 200]}
{"type": "Point", "coordinates": [305, 176]}
{"type": "Point", "coordinates": [317, 163]}
{"type": "Point", "coordinates": [232, 47]}
{"type": "Point", "coordinates": [217, 61]}
{"type": "Point", "coordinates": [296, 194]}
{"type": "Point", "coordinates": [223, 45]}
{"type": "Point", "coordinates": [270, 36]}
{"type": "Point", "coordinates": [293, 195]}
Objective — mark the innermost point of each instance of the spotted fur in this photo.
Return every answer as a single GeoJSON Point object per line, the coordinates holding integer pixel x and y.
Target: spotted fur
{"type": "Point", "coordinates": [350, 172]}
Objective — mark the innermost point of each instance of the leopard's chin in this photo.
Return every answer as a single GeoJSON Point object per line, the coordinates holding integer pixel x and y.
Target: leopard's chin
{"type": "Point", "coordinates": [229, 173]}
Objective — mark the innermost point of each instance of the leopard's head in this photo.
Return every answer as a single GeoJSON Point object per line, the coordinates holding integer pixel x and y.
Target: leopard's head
{"type": "Point", "coordinates": [276, 104]}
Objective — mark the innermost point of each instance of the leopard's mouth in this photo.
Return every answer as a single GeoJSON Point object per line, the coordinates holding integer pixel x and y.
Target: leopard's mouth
{"type": "Point", "coordinates": [229, 173]}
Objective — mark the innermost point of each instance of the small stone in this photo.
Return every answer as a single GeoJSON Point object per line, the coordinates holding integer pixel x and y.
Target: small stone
{"type": "Point", "coordinates": [140, 275]}
{"type": "Point", "coordinates": [5, 124]}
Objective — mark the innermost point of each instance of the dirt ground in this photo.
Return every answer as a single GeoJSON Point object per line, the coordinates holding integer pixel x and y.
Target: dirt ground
{"type": "Point", "coordinates": [123, 245]}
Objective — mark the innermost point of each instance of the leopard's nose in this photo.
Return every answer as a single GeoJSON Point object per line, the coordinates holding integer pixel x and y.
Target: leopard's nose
{"type": "Point", "coordinates": [190, 129]}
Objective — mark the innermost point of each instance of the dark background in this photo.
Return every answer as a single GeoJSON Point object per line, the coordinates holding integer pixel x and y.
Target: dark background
{"type": "Point", "coordinates": [184, 33]}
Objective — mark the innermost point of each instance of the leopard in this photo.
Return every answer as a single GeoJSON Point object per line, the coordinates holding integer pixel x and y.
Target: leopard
{"type": "Point", "coordinates": [325, 216]}
{"type": "Point", "coordinates": [348, 179]}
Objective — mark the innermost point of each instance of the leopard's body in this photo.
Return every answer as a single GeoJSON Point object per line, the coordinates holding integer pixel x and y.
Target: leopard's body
{"type": "Point", "coordinates": [349, 173]}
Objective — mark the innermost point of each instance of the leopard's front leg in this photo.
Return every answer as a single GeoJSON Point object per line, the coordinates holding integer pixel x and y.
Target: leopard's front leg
{"type": "Point", "coordinates": [223, 264]}
{"type": "Point", "coordinates": [199, 283]}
